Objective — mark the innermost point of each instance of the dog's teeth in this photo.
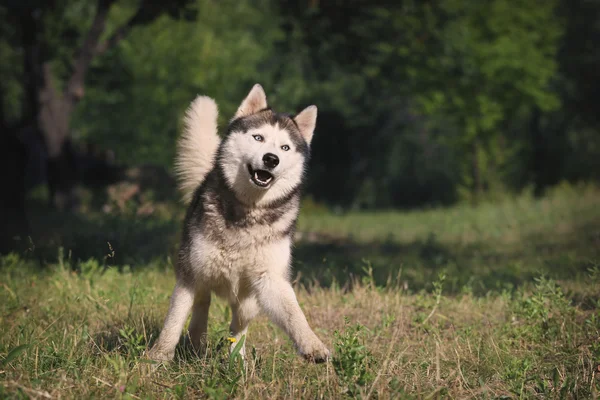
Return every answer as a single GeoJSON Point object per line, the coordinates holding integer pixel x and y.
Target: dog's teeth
{"type": "Point", "coordinates": [260, 181]}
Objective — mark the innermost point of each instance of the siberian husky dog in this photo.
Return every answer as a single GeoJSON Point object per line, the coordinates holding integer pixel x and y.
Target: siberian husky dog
{"type": "Point", "coordinates": [244, 195]}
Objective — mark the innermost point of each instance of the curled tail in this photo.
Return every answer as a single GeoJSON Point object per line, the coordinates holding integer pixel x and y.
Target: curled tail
{"type": "Point", "coordinates": [197, 146]}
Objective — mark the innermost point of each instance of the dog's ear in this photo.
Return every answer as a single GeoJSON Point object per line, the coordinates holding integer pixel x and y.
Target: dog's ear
{"type": "Point", "coordinates": [254, 102]}
{"type": "Point", "coordinates": [306, 121]}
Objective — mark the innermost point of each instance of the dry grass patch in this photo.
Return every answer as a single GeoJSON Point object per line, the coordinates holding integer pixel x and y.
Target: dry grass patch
{"type": "Point", "coordinates": [81, 335]}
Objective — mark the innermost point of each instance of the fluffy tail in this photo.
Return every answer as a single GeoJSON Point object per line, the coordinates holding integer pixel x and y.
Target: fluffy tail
{"type": "Point", "coordinates": [197, 147]}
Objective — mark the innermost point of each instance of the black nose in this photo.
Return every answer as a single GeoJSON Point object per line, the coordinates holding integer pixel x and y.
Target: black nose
{"type": "Point", "coordinates": [271, 160]}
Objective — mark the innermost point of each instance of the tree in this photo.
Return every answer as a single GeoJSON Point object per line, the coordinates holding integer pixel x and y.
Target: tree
{"type": "Point", "coordinates": [479, 64]}
{"type": "Point", "coordinates": [137, 95]}
{"type": "Point", "coordinates": [449, 75]}
{"type": "Point", "coordinates": [59, 40]}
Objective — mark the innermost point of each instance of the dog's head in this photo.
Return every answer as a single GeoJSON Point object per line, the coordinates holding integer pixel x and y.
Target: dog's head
{"type": "Point", "coordinates": [264, 153]}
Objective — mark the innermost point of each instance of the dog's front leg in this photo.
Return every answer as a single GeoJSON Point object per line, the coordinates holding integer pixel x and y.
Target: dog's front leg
{"type": "Point", "coordinates": [179, 309]}
{"type": "Point", "coordinates": [278, 300]}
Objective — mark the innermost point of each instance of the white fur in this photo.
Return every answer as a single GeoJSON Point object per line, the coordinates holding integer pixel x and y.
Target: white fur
{"type": "Point", "coordinates": [248, 266]}
{"type": "Point", "coordinates": [254, 102]}
{"type": "Point", "coordinates": [197, 146]}
{"type": "Point", "coordinates": [307, 120]}
{"type": "Point", "coordinates": [242, 149]}
{"type": "Point", "coordinates": [181, 303]}
{"type": "Point", "coordinates": [254, 280]}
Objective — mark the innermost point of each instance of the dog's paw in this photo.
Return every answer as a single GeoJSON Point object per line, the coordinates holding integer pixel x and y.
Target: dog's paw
{"type": "Point", "coordinates": [160, 356]}
{"type": "Point", "coordinates": [315, 352]}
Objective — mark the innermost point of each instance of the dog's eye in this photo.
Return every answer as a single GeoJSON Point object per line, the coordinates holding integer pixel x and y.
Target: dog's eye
{"type": "Point", "coordinates": [258, 138]}
{"type": "Point", "coordinates": [285, 147]}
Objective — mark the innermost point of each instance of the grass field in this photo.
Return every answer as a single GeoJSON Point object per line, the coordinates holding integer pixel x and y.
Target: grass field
{"type": "Point", "coordinates": [497, 301]}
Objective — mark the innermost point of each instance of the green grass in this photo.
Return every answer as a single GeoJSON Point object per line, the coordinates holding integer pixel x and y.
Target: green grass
{"type": "Point", "coordinates": [498, 301]}
{"type": "Point", "coordinates": [493, 246]}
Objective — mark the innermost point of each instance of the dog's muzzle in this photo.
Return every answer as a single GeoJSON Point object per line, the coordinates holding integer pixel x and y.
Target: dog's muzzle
{"type": "Point", "coordinates": [260, 177]}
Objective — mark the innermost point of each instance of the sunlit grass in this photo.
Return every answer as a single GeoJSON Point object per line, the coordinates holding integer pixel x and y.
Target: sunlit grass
{"type": "Point", "coordinates": [492, 302]}
{"type": "Point", "coordinates": [80, 335]}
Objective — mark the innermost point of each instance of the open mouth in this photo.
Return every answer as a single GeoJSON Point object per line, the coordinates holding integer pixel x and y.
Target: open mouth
{"type": "Point", "coordinates": [260, 177]}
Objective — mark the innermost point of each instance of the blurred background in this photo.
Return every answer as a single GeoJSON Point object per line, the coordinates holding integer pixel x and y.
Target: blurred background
{"type": "Point", "coordinates": [422, 104]}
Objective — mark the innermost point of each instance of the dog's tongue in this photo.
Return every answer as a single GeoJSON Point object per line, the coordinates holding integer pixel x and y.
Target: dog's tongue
{"type": "Point", "coordinates": [262, 176]}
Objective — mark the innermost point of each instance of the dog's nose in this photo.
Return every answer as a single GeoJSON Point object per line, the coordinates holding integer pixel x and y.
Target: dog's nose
{"type": "Point", "coordinates": [271, 160]}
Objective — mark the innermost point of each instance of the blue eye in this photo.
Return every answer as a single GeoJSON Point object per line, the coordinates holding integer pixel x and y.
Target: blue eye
{"type": "Point", "coordinates": [258, 138]}
{"type": "Point", "coordinates": [285, 147]}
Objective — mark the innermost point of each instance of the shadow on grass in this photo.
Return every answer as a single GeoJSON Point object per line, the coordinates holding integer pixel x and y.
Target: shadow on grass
{"type": "Point", "coordinates": [140, 241]}
{"type": "Point", "coordinates": [135, 337]}
{"type": "Point", "coordinates": [126, 338]}
{"type": "Point", "coordinates": [477, 268]}
{"type": "Point", "coordinates": [119, 240]}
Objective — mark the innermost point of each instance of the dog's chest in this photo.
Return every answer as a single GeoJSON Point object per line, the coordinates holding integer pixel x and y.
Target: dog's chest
{"type": "Point", "coordinates": [227, 246]}
{"type": "Point", "coordinates": [239, 228]}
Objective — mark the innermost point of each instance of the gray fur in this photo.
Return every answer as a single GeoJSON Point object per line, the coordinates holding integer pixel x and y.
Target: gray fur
{"type": "Point", "coordinates": [239, 226]}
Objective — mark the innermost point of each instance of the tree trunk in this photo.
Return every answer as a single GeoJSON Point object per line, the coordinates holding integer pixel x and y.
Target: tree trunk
{"type": "Point", "coordinates": [55, 112]}
{"type": "Point", "coordinates": [47, 110]}
{"type": "Point", "coordinates": [54, 119]}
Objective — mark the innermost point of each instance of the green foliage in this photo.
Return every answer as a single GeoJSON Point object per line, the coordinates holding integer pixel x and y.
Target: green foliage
{"type": "Point", "coordinates": [132, 341]}
{"type": "Point", "coordinates": [14, 353]}
{"type": "Point", "coordinates": [477, 65]}
{"type": "Point", "coordinates": [163, 66]}
{"type": "Point", "coordinates": [439, 86]}
{"type": "Point", "coordinates": [516, 372]}
{"type": "Point", "coordinates": [420, 103]}
{"type": "Point", "coordinates": [352, 361]}
{"type": "Point", "coordinates": [228, 373]}
{"type": "Point", "coordinates": [544, 312]}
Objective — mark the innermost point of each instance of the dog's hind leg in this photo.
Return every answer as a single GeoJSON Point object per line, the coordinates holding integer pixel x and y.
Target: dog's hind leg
{"type": "Point", "coordinates": [243, 311]}
{"type": "Point", "coordinates": [277, 298]}
{"type": "Point", "coordinates": [179, 309]}
{"type": "Point", "coordinates": [199, 322]}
